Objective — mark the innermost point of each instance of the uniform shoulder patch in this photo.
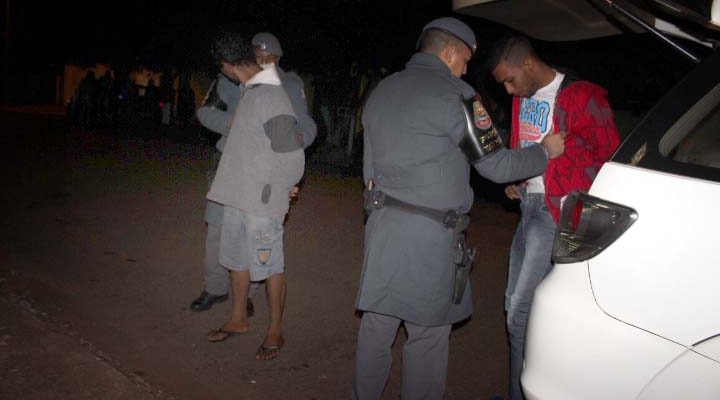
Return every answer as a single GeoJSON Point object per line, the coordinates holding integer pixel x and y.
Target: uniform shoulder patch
{"type": "Point", "coordinates": [481, 116]}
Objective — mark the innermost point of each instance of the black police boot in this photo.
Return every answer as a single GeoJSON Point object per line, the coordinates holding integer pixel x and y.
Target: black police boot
{"type": "Point", "coordinates": [250, 308]}
{"type": "Point", "coordinates": [206, 300]}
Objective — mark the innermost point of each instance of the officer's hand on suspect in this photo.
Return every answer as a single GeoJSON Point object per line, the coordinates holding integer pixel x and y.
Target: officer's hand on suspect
{"type": "Point", "coordinates": [512, 192]}
{"type": "Point", "coordinates": [554, 144]}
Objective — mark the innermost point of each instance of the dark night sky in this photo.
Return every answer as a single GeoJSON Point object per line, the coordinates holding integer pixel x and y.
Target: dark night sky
{"type": "Point", "coordinates": [63, 31]}
{"type": "Point", "coordinates": [318, 36]}
{"type": "Point", "coordinates": [163, 30]}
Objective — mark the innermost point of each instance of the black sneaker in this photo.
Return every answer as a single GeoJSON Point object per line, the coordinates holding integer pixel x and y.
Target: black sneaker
{"type": "Point", "coordinates": [206, 300]}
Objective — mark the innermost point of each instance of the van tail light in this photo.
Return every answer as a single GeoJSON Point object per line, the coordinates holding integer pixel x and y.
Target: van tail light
{"type": "Point", "coordinates": [588, 225]}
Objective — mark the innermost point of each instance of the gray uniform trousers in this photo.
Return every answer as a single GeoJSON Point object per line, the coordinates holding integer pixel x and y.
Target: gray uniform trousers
{"type": "Point", "coordinates": [215, 275]}
{"type": "Point", "coordinates": [425, 358]}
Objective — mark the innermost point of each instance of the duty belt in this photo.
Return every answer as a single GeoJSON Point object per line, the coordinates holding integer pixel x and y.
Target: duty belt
{"type": "Point", "coordinates": [463, 256]}
{"type": "Point", "coordinates": [455, 220]}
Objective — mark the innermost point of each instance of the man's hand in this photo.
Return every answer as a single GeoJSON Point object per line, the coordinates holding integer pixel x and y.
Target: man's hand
{"type": "Point", "coordinates": [554, 144]}
{"type": "Point", "coordinates": [294, 192]}
{"type": "Point", "coordinates": [512, 192]}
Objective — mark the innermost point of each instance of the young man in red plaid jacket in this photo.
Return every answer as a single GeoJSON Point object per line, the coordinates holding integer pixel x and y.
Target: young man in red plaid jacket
{"type": "Point", "coordinates": [545, 102]}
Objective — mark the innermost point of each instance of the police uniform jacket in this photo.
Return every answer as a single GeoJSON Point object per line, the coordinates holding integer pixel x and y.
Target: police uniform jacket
{"type": "Point", "coordinates": [218, 121]}
{"type": "Point", "coordinates": [294, 87]}
{"type": "Point", "coordinates": [413, 123]}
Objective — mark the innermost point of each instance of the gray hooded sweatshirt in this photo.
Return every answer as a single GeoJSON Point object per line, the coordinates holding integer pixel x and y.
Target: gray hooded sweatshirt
{"type": "Point", "coordinates": [263, 157]}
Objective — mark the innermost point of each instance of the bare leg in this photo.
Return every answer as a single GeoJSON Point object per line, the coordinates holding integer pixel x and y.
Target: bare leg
{"type": "Point", "coordinates": [275, 288]}
{"type": "Point", "coordinates": [282, 296]}
{"type": "Point", "coordinates": [239, 320]}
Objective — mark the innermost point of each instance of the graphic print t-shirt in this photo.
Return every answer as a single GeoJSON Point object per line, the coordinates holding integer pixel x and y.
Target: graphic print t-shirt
{"type": "Point", "coordinates": [535, 121]}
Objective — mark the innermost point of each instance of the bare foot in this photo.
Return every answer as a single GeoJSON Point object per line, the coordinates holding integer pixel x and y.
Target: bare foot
{"type": "Point", "coordinates": [270, 348]}
{"type": "Point", "coordinates": [228, 330]}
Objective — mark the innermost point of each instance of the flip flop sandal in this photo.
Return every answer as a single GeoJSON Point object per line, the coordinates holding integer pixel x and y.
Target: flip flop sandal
{"type": "Point", "coordinates": [267, 353]}
{"type": "Point", "coordinates": [228, 334]}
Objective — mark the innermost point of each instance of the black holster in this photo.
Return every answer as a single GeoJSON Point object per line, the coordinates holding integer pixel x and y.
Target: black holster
{"type": "Point", "coordinates": [464, 257]}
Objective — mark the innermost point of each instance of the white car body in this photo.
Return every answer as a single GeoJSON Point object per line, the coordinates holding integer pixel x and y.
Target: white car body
{"type": "Point", "coordinates": [631, 309]}
{"type": "Point", "coordinates": [640, 319]}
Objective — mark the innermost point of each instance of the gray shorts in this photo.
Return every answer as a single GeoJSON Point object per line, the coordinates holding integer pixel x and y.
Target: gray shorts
{"type": "Point", "coordinates": [248, 242]}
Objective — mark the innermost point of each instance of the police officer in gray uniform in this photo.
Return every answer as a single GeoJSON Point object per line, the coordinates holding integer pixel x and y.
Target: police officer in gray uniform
{"type": "Point", "coordinates": [216, 115]}
{"type": "Point", "coordinates": [268, 51]}
{"type": "Point", "coordinates": [424, 127]}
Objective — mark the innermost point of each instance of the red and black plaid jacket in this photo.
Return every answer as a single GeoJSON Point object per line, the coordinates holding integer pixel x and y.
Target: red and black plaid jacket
{"type": "Point", "coordinates": [583, 111]}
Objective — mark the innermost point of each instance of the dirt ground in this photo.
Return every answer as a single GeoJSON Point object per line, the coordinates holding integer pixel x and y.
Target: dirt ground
{"type": "Point", "coordinates": [100, 256]}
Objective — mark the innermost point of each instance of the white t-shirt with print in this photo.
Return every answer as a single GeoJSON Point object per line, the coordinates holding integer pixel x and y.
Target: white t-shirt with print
{"type": "Point", "coordinates": [535, 121]}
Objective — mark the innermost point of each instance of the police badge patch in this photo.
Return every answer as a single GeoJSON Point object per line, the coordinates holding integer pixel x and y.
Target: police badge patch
{"type": "Point", "coordinates": [480, 138]}
{"type": "Point", "coordinates": [482, 119]}
{"type": "Point", "coordinates": [263, 255]}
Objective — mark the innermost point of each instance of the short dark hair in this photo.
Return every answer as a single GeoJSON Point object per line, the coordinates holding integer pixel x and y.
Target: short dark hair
{"type": "Point", "coordinates": [512, 49]}
{"type": "Point", "coordinates": [232, 48]}
{"type": "Point", "coordinates": [435, 40]}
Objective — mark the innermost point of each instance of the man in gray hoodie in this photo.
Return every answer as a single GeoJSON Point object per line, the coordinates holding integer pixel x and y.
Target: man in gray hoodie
{"type": "Point", "coordinates": [267, 54]}
{"type": "Point", "coordinates": [263, 159]}
{"type": "Point", "coordinates": [216, 115]}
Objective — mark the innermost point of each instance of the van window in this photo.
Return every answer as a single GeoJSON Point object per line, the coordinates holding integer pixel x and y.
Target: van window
{"type": "Point", "coordinates": [695, 138]}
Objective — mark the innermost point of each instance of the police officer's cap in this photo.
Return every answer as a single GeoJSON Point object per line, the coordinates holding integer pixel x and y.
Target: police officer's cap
{"type": "Point", "coordinates": [456, 28]}
{"type": "Point", "coordinates": [267, 42]}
